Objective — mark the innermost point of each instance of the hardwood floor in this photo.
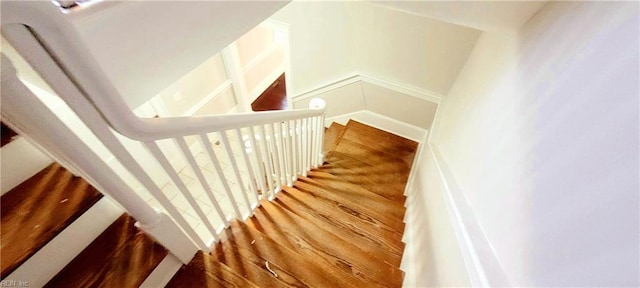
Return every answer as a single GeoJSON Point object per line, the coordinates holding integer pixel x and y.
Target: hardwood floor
{"type": "Point", "coordinates": [35, 211]}
{"type": "Point", "coordinates": [122, 256]}
{"type": "Point", "coordinates": [274, 98]}
{"type": "Point", "coordinates": [334, 228]}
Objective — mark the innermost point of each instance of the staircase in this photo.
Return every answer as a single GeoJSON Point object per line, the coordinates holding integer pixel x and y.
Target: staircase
{"type": "Point", "coordinates": [341, 226]}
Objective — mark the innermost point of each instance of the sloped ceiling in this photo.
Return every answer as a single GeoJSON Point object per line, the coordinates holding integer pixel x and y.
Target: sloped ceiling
{"type": "Point", "coordinates": [143, 46]}
{"type": "Point", "coordinates": [494, 16]}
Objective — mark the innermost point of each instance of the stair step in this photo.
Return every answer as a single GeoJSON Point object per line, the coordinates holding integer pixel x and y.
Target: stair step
{"type": "Point", "coordinates": [332, 136]}
{"type": "Point", "coordinates": [206, 271]}
{"type": "Point", "coordinates": [387, 179]}
{"type": "Point", "coordinates": [369, 203]}
{"type": "Point", "coordinates": [350, 218]}
{"type": "Point", "coordinates": [374, 146]}
{"type": "Point", "coordinates": [122, 256]}
{"type": "Point", "coordinates": [37, 210]}
{"type": "Point", "coordinates": [251, 269]}
{"type": "Point", "coordinates": [328, 248]}
{"type": "Point", "coordinates": [249, 243]}
{"type": "Point", "coordinates": [389, 254]}
{"type": "Point", "coordinates": [364, 133]}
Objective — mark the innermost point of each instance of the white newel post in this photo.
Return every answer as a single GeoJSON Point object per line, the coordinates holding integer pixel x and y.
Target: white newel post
{"type": "Point", "coordinates": [21, 108]}
{"type": "Point", "coordinates": [318, 104]}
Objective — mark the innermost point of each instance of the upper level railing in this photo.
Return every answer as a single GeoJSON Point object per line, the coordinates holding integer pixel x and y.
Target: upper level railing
{"type": "Point", "coordinates": [264, 150]}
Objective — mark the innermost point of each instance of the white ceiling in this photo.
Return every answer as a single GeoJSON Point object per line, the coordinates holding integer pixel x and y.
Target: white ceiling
{"type": "Point", "coordinates": [482, 15]}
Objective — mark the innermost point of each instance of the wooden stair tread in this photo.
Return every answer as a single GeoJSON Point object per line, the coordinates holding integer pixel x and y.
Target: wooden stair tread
{"type": "Point", "coordinates": [38, 209]}
{"type": "Point", "coordinates": [368, 154]}
{"type": "Point", "coordinates": [347, 217]}
{"type": "Point", "coordinates": [121, 256]}
{"type": "Point", "coordinates": [385, 179]}
{"type": "Point", "coordinates": [358, 202]}
{"type": "Point", "coordinates": [365, 132]}
{"type": "Point", "coordinates": [374, 146]}
{"type": "Point", "coordinates": [329, 249]}
{"type": "Point", "coordinates": [389, 254]}
{"type": "Point", "coordinates": [332, 136]}
{"type": "Point", "coordinates": [252, 270]}
{"type": "Point", "coordinates": [205, 271]}
{"type": "Point", "coordinates": [258, 248]}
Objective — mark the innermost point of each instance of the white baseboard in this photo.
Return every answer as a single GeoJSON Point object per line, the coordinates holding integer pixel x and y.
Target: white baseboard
{"type": "Point", "coordinates": [381, 122]}
{"type": "Point", "coordinates": [55, 255]}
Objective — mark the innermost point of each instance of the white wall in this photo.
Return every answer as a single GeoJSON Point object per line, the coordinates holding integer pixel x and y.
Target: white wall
{"type": "Point", "coordinates": [432, 254]}
{"type": "Point", "coordinates": [321, 42]}
{"type": "Point", "coordinates": [330, 40]}
{"type": "Point", "coordinates": [494, 16]}
{"type": "Point", "coordinates": [541, 133]}
{"type": "Point", "coordinates": [409, 49]}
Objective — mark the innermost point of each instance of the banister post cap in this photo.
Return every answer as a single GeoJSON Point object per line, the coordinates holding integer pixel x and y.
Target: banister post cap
{"type": "Point", "coordinates": [317, 104]}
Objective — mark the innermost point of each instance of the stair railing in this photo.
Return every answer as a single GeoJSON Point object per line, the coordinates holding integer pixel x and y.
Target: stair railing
{"type": "Point", "coordinates": [271, 148]}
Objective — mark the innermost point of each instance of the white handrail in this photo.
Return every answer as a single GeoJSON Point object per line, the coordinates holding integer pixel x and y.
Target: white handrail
{"type": "Point", "coordinates": [279, 150]}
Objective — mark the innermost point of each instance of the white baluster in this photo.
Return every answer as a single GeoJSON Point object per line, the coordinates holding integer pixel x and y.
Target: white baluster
{"type": "Point", "coordinates": [236, 171]}
{"type": "Point", "coordinates": [291, 172]}
{"type": "Point", "coordinates": [216, 164]}
{"type": "Point", "coordinates": [252, 176]}
{"type": "Point", "coordinates": [273, 145]}
{"type": "Point", "coordinates": [259, 162]}
{"type": "Point", "coordinates": [268, 162]}
{"type": "Point", "coordinates": [164, 162]}
{"type": "Point", "coordinates": [186, 152]}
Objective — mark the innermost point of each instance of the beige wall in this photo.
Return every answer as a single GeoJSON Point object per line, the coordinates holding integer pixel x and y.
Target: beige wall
{"type": "Point", "coordinates": [190, 89]}
{"type": "Point", "coordinates": [399, 106]}
{"type": "Point", "coordinates": [332, 39]}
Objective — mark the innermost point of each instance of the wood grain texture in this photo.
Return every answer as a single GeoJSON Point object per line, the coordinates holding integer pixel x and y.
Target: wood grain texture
{"type": "Point", "coordinates": [273, 98]}
{"type": "Point", "coordinates": [364, 203]}
{"type": "Point", "coordinates": [363, 240]}
{"type": "Point", "coordinates": [205, 271]}
{"type": "Point", "coordinates": [332, 136]}
{"type": "Point", "coordinates": [387, 178]}
{"type": "Point", "coordinates": [330, 249]}
{"type": "Point", "coordinates": [285, 262]}
{"type": "Point", "coordinates": [38, 209]}
{"type": "Point", "coordinates": [341, 226]}
{"type": "Point", "coordinates": [121, 256]}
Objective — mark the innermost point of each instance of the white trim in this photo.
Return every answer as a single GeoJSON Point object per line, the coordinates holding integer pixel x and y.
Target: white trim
{"type": "Point", "coordinates": [162, 274]}
{"type": "Point", "coordinates": [356, 76]}
{"type": "Point", "coordinates": [231, 61]}
{"type": "Point", "coordinates": [403, 88]}
{"type": "Point", "coordinates": [414, 166]}
{"type": "Point", "coordinates": [265, 83]}
{"type": "Point", "coordinates": [205, 100]}
{"type": "Point", "coordinates": [381, 122]}
{"type": "Point", "coordinates": [483, 266]}
{"type": "Point", "coordinates": [328, 86]}
{"type": "Point", "coordinates": [56, 254]}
